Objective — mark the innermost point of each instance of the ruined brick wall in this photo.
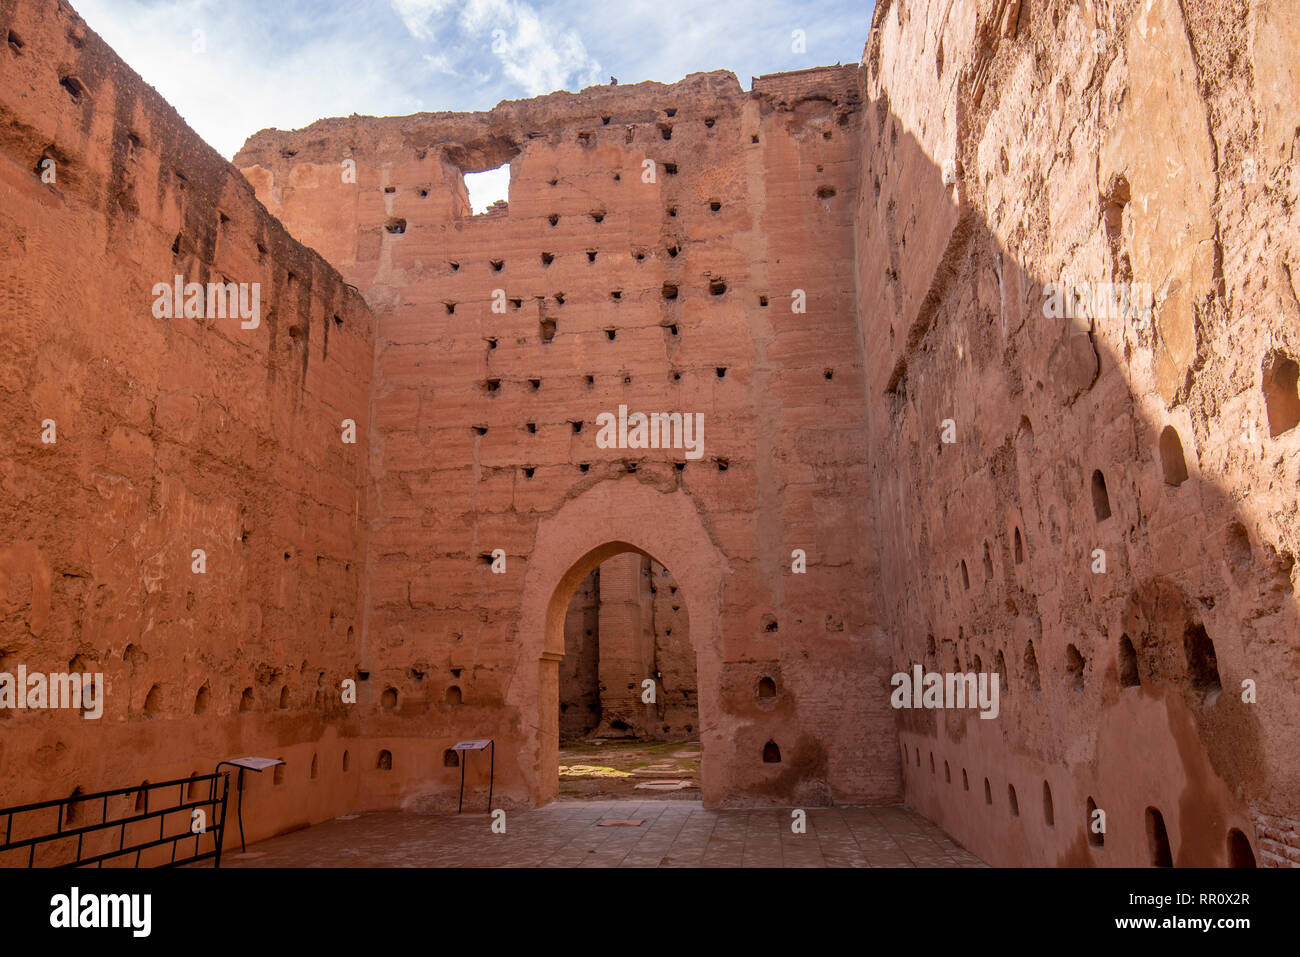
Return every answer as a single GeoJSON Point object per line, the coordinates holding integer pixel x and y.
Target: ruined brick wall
{"type": "Point", "coordinates": [170, 435]}
{"type": "Point", "coordinates": [676, 711]}
{"type": "Point", "coordinates": [1006, 146]}
{"type": "Point", "coordinates": [579, 672]}
{"type": "Point", "coordinates": [626, 646]}
{"type": "Point", "coordinates": [476, 442]}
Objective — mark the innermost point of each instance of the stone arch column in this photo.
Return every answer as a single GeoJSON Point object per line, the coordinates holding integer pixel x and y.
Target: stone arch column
{"type": "Point", "coordinates": [610, 518]}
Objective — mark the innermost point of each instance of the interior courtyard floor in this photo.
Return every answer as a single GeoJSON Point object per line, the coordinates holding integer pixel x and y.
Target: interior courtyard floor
{"type": "Point", "coordinates": [570, 833]}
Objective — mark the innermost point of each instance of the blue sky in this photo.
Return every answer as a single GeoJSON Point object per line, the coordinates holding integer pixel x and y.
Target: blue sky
{"type": "Point", "coordinates": [232, 67]}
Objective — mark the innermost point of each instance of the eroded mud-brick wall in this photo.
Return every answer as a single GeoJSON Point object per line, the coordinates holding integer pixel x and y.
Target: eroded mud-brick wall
{"type": "Point", "coordinates": [670, 292]}
{"type": "Point", "coordinates": [1011, 145]}
{"type": "Point", "coordinates": [169, 435]}
{"type": "Point", "coordinates": [579, 671]}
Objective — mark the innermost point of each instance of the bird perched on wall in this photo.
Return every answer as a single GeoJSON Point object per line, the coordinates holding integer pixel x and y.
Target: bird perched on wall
{"type": "Point", "coordinates": [613, 80]}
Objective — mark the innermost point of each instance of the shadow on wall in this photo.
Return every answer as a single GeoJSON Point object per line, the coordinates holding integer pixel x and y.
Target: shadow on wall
{"type": "Point", "coordinates": [1072, 536]}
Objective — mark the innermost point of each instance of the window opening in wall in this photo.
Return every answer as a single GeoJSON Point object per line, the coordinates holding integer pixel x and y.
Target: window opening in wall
{"type": "Point", "coordinates": [988, 792]}
{"type": "Point", "coordinates": [1031, 667]}
{"type": "Point", "coordinates": [1019, 548]}
{"type": "Point", "coordinates": [1172, 461]}
{"type": "Point", "coordinates": [1012, 801]}
{"type": "Point", "coordinates": [1100, 498]}
{"type": "Point", "coordinates": [1158, 839]}
{"type": "Point", "coordinates": [771, 753]}
{"type": "Point", "coordinates": [1049, 812]}
{"type": "Point", "coordinates": [1128, 664]}
{"type": "Point", "coordinates": [488, 188]}
{"type": "Point", "coordinates": [1282, 394]}
{"type": "Point", "coordinates": [1239, 852]}
{"type": "Point", "coordinates": [1074, 666]}
{"type": "Point", "coordinates": [384, 761]}
{"type": "Point", "coordinates": [1202, 662]}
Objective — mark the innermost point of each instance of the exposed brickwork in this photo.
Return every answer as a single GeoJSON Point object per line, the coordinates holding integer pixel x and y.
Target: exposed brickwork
{"type": "Point", "coordinates": [171, 435]}
{"type": "Point", "coordinates": [990, 168]}
{"type": "Point", "coordinates": [780, 391]}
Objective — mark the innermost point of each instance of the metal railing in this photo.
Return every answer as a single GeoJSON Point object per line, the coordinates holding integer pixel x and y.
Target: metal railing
{"type": "Point", "coordinates": [52, 826]}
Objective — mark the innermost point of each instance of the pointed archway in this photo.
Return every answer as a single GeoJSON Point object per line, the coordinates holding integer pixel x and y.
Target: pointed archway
{"type": "Point", "coordinates": [608, 519]}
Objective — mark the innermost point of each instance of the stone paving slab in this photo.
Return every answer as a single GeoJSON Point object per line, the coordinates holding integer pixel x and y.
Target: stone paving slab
{"type": "Point", "coordinates": [568, 834]}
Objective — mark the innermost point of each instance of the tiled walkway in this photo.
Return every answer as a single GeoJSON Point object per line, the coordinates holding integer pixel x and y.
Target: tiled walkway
{"type": "Point", "coordinates": [568, 834]}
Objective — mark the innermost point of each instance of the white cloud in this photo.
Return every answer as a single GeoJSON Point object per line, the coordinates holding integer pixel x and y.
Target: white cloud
{"type": "Point", "coordinates": [539, 55]}
{"type": "Point", "coordinates": [295, 62]}
{"type": "Point", "coordinates": [416, 15]}
{"type": "Point", "coordinates": [440, 63]}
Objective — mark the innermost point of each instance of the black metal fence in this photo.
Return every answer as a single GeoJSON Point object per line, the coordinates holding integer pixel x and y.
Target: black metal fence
{"type": "Point", "coordinates": [130, 821]}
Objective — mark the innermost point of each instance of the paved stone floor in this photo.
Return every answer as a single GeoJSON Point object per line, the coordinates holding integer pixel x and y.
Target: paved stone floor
{"type": "Point", "coordinates": [568, 834]}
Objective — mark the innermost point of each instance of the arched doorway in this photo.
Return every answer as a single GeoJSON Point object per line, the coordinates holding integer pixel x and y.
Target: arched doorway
{"type": "Point", "coordinates": [628, 686]}
{"type": "Point", "coordinates": [611, 519]}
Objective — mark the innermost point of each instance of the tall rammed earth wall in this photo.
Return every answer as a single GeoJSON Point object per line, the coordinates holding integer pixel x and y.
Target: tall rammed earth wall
{"type": "Point", "coordinates": [682, 248]}
{"type": "Point", "coordinates": [843, 271]}
{"type": "Point", "coordinates": [1006, 146]}
{"type": "Point", "coordinates": [169, 435]}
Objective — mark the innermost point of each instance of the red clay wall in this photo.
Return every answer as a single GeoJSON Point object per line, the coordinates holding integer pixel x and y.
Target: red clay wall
{"type": "Point", "coordinates": [785, 419]}
{"type": "Point", "coordinates": [1133, 142]}
{"type": "Point", "coordinates": [171, 435]}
